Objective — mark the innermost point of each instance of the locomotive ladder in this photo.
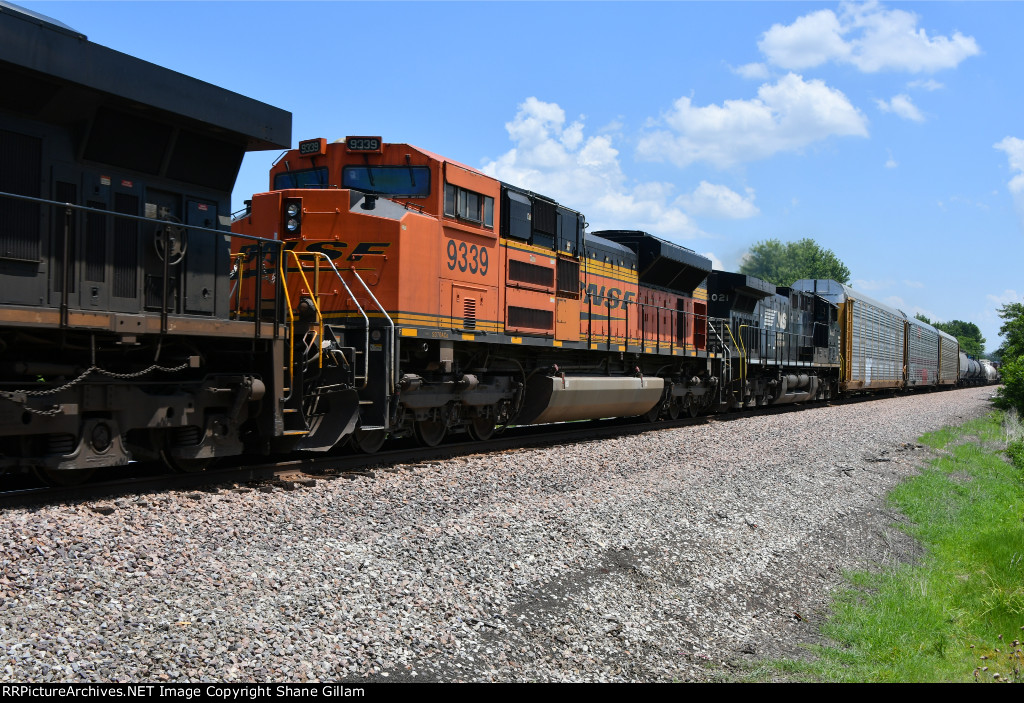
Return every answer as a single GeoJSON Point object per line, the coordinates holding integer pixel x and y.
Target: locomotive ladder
{"type": "Point", "coordinates": [390, 370]}
{"type": "Point", "coordinates": [726, 362]}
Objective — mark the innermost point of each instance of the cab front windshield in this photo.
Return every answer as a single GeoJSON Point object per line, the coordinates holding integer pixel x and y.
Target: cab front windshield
{"type": "Point", "coordinates": [402, 181]}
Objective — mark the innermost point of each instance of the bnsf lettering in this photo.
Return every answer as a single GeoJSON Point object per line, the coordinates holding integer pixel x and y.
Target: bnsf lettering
{"type": "Point", "coordinates": [332, 250]}
{"type": "Point", "coordinates": [467, 257]}
{"type": "Point", "coordinates": [612, 298]}
{"type": "Point", "coordinates": [368, 249]}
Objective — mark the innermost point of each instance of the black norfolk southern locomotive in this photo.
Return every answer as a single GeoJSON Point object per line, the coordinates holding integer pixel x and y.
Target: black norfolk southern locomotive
{"type": "Point", "coordinates": [785, 341]}
{"type": "Point", "coordinates": [115, 334]}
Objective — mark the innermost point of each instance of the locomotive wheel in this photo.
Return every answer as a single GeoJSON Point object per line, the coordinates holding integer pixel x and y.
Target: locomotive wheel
{"type": "Point", "coordinates": [368, 441]}
{"type": "Point", "coordinates": [429, 433]}
{"type": "Point", "coordinates": [185, 466]}
{"type": "Point", "coordinates": [63, 478]}
{"type": "Point", "coordinates": [481, 428]}
{"type": "Point", "coordinates": [675, 409]}
{"type": "Point", "coordinates": [690, 406]}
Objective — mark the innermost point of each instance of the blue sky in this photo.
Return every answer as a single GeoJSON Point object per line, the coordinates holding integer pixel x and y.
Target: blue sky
{"type": "Point", "coordinates": [891, 133]}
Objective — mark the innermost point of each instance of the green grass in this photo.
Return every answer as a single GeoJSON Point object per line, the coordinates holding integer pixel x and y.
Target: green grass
{"type": "Point", "coordinates": [935, 620]}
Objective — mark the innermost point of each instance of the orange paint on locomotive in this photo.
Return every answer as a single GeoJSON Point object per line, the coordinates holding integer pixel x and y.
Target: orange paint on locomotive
{"type": "Point", "coordinates": [429, 248]}
{"type": "Point", "coordinates": [428, 256]}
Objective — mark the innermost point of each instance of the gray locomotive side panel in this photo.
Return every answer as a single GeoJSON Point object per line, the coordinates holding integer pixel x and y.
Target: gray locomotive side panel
{"type": "Point", "coordinates": [949, 359]}
{"type": "Point", "coordinates": [922, 353]}
{"type": "Point", "coordinates": [877, 346]}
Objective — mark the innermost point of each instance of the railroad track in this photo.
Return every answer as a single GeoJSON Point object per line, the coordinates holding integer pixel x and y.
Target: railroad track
{"type": "Point", "coordinates": [294, 472]}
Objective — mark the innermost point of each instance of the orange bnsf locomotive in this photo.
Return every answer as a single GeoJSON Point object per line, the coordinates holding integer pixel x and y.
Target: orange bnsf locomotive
{"type": "Point", "coordinates": [424, 297]}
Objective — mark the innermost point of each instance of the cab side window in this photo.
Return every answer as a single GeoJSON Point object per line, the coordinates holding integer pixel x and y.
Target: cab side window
{"type": "Point", "coordinates": [468, 205]}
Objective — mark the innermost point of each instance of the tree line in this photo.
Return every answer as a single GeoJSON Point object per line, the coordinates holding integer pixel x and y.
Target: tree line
{"type": "Point", "coordinates": [784, 263]}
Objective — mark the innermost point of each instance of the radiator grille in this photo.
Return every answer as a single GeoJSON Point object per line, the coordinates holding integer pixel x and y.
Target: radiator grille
{"type": "Point", "coordinates": [95, 243]}
{"type": "Point", "coordinates": [530, 318]}
{"type": "Point", "coordinates": [19, 221]}
{"type": "Point", "coordinates": [126, 246]}
{"type": "Point", "coordinates": [545, 216]}
{"type": "Point", "coordinates": [469, 313]}
{"type": "Point", "coordinates": [568, 278]}
{"type": "Point", "coordinates": [531, 274]}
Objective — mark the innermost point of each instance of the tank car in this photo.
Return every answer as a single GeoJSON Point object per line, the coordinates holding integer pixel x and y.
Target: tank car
{"type": "Point", "coordinates": [116, 340]}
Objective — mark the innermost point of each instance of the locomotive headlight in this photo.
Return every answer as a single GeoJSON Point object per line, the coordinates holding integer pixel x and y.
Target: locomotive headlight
{"type": "Point", "coordinates": [293, 217]}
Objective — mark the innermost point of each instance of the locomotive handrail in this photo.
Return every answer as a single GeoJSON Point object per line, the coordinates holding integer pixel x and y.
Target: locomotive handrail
{"type": "Point", "coordinates": [743, 354]}
{"type": "Point", "coordinates": [604, 300]}
{"type": "Point", "coordinates": [366, 355]}
{"type": "Point", "coordinates": [239, 260]}
{"type": "Point", "coordinates": [283, 268]}
{"type": "Point", "coordinates": [392, 356]}
{"type": "Point", "coordinates": [260, 241]}
{"type": "Point", "coordinates": [139, 218]}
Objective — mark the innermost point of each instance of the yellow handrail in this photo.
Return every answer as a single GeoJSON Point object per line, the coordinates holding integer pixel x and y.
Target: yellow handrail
{"type": "Point", "coordinates": [240, 263]}
{"type": "Point", "coordinates": [743, 355]}
{"type": "Point", "coordinates": [291, 315]}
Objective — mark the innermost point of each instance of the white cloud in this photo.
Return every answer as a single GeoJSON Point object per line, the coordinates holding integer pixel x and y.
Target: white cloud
{"type": "Point", "coordinates": [711, 200]}
{"type": "Point", "coordinates": [862, 284]}
{"type": "Point", "coordinates": [810, 41]}
{"type": "Point", "coordinates": [785, 116]}
{"type": "Point", "coordinates": [929, 85]}
{"type": "Point", "coordinates": [891, 163]}
{"type": "Point", "coordinates": [909, 310]}
{"type": "Point", "coordinates": [867, 36]}
{"type": "Point", "coordinates": [913, 284]}
{"type": "Point", "coordinates": [756, 71]}
{"type": "Point", "coordinates": [584, 173]}
{"type": "Point", "coordinates": [1007, 296]}
{"type": "Point", "coordinates": [903, 106]}
{"type": "Point", "coordinates": [1014, 149]}
{"type": "Point", "coordinates": [716, 263]}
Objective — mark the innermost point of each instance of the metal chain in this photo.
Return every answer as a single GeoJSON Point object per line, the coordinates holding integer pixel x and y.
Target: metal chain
{"type": "Point", "coordinates": [13, 396]}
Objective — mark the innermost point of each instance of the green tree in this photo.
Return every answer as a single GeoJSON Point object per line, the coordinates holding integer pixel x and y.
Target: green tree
{"type": "Point", "coordinates": [1012, 330]}
{"type": "Point", "coordinates": [782, 264]}
{"type": "Point", "coordinates": [967, 333]}
{"type": "Point", "coordinates": [1012, 355]}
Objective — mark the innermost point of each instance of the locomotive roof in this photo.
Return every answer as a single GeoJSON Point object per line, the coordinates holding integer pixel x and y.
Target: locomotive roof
{"type": "Point", "coordinates": [742, 283]}
{"type": "Point", "coordinates": [44, 59]}
{"type": "Point", "coordinates": [660, 262]}
{"type": "Point", "coordinates": [437, 157]}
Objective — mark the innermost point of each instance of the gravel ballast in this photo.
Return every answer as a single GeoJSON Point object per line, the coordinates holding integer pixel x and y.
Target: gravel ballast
{"type": "Point", "coordinates": [676, 554]}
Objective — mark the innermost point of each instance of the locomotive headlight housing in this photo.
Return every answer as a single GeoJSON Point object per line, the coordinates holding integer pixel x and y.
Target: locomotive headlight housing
{"type": "Point", "coordinates": [293, 217]}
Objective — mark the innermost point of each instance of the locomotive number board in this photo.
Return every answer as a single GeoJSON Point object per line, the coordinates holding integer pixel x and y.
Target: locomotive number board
{"type": "Point", "coordinates": [364, 144]}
